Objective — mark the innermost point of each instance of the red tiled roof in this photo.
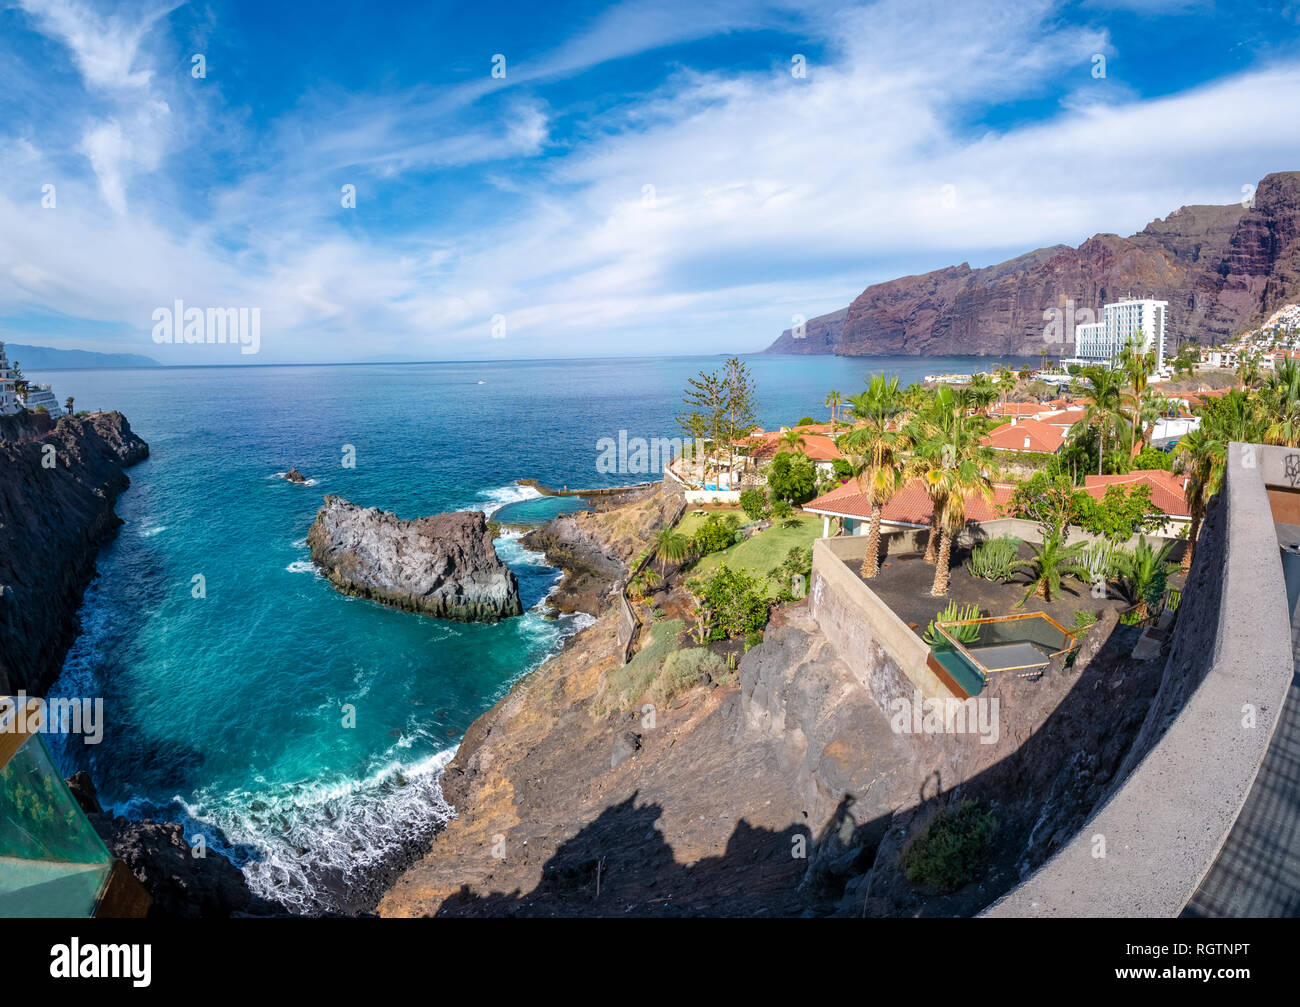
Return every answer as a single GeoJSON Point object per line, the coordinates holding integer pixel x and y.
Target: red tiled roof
{"type": "Point", "coordinates": [1026, 435]}
{"type": "Point", "coordinates": [818, 447]}
{"type": "Point", "coordinates": [1167, 489]}
{"type": "Point", "coordinates": [910, 505]}
{"type": "Point", "coordinates": [1015, 409]}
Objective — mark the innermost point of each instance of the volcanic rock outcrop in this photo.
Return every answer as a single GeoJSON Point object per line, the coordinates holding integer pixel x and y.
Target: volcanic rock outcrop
{"type": "Point", "coordinates": [443, 565]}
{"type": "Point", "coordinates": [1222, 269]}
{"type": "Point", "coordinates": [58, 484]}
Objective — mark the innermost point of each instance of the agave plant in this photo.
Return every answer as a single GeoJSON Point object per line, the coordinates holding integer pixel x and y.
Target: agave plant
{"type": "Point", "coordinates": [953, 612]}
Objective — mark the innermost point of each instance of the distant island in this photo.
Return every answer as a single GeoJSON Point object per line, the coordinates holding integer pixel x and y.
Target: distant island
{"type": "Point", "coordinates": [46, 358]}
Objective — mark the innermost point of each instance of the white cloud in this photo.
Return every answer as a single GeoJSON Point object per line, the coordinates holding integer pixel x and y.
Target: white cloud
{"type": "Point", "coordinates": [772, 196]}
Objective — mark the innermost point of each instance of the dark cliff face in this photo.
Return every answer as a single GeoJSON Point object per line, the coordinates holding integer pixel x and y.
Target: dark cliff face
{"type": "Point", "coordinates": [1221, 268]}
{"type": "Point", "coordinates": [58, 484]}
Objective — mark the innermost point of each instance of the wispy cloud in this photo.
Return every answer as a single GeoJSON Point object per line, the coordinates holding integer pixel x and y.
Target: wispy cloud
{"type": "Point", "coordinates": [701, 215]}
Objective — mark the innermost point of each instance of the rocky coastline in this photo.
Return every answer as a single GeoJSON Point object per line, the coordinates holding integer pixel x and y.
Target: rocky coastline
{"type": "Point", "coordinates": [443, 565]}
{"type": "Point", "coordinates": [59, 482]}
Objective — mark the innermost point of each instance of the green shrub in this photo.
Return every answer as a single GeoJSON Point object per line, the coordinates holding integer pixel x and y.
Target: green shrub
{"type": "Point", "coordinates": [997, 559]}
{"type": "Point", "coordinates": [782, 509]}
{"type": "Point", "coordinates": [729, 603]}
{"type": "Point", "coordinates": [1153, 458]}
{"type": "Point", "coordinates": [753, 502]}
{"type": "Point", "coordinates": [953, 849]}
{"type": "Point", "coordinates": [624, 685]}
{"type": "Point", "coordinates": [717, 533]}
{"type": "Point", "coordinates": [792, 477]}
{"type": "Point", "coordinates": [806, 421]}
{"type": "Point", "coordinates": [1083, 618]}
{"type": "Point", "coordinates": [954, 613]}
{"type": "Point", "coordinates": [682, 672]}
{"type": "Point", "coordinates": [752, 639]}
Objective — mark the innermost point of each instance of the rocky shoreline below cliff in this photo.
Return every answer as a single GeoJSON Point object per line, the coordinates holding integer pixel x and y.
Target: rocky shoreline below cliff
{"type": "Point", "coordinates": [59, 483]}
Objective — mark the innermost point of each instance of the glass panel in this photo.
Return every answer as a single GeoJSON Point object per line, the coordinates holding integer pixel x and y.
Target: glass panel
{"type": "Point", "coordinates": [52, 862]}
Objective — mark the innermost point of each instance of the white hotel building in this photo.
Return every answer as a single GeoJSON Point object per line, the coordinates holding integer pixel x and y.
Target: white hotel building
{"type": "Point", "coordinates": [1102, 342]}
{"type": "Point", "coordinates": [37, 396]}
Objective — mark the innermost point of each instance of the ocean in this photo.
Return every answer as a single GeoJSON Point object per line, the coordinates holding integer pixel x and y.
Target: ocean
{"type": "Point", "coordinates": [300, 732]}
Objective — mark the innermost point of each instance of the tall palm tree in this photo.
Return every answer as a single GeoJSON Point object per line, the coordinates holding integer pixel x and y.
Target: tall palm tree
{"type": "Point", "coordinates": [1248, 370]}
{"type": "Point", "coordinates": [833, 400]}
{"type": "Point", "coordinates": [1137, 363]}
{"type": "Point", "coordinates": [963, 478]}
{"type": "Point", "coordinates": [1006, 383]}
{"type": "Point", "coordinates": [877, 449]}
{"type": "Point", "coordinates": [1202, 459]}
{"type": "Point", "coordinates": [1106, 409]}
{"type": "Point", "coordinates": [1052, 560]}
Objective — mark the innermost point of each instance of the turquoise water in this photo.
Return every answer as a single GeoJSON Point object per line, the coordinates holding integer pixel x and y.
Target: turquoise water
{"type": "Point", "coordinates": [226, 712]}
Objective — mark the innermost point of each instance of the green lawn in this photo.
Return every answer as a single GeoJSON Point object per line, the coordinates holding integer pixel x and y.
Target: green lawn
{"type": "Point", "coordinates": [758, 554]}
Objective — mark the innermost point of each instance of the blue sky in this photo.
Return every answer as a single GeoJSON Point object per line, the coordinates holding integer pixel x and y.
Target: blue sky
{"type": "Point", "coordinates": [645, 178]}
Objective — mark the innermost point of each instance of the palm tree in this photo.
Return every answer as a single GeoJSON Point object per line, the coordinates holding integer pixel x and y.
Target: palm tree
{"type": "Point", "coordinates": [67, 406]}
{"type": "Point", "coordinates": [1202, 459]}
{"type": "Point", "coordinates": [1006, 383]}
{"type": "Point", "coordinates": [876, 448]}
{"type": "Point", "coordinates": [982, 390]}
{"type": "Point", "coordinates": [962, 479]}
{"type": "Point", "coordinates": [1248, 370]}
{"type": "Point", "coordinates": [833, 400]}
{"type": "Point", "coordinates": [1106, 409]}
{"type": "Point", "coordinates": [1282, 403]}
{"type": "Point", "coordinates": [672, 547]}
{"type": "Point", "coordinates": [792, 439]}
{"type": "Point", "coordinates": [1052, 560]}
{"type": "Point", "coordinates": [1136, 363]}
{"type": "Point", "coordinates": [1144, 572]}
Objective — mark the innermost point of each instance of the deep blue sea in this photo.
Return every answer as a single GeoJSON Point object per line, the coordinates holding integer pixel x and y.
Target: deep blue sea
{"type": "Point", "coordinates": [226, 712]}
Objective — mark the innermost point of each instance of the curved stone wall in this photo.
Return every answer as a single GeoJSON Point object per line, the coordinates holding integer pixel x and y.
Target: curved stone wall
{"type": "Point", "coordinates": [1147, 847]}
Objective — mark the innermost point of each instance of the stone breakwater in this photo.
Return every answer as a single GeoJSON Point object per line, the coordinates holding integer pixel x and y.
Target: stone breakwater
{"type": "Point", "coordinates": [58, 485]}
{"type": "Point", "coordinates": [443, 565]}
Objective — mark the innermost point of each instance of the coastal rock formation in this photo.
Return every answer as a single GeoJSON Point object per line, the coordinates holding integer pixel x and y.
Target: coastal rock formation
{"type": "Point", "coordinates": [596, 548]}
{"type": "Point", "coordinates": [58, 484]}
{"type": "Point", "coordinates": [443, 565]}
{"type": "Point", "coordinates": [294, 476]}
{"type": "Point", "coordinates": [179, 883]}
{"type": "Point", "coordinates": [1221, 268]}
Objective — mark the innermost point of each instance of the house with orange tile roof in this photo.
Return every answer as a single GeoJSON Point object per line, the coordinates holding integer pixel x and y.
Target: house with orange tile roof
{"type": "Point", "coordinates": [910, 507]}
{"type": "Point", "coordinates": [1168, 491]}
{"type": "Point", "coordinates": [818, 444]}
{"type": "Point", "coordinates": [1029, 435]}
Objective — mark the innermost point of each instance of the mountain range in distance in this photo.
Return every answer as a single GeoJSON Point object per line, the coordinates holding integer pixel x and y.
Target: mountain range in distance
{"type": "Point", "coordinates": [46, 358]}
{"type": "Point", "coordinates": [1223, 270]}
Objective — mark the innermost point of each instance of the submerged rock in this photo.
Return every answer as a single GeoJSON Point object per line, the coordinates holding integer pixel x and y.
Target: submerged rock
{"type": "Point", "coordinates": [443, 565]}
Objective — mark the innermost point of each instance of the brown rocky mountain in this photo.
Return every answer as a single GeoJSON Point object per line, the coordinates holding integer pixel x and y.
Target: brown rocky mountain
{"type": "Point", "coordinates": [1221, 268]}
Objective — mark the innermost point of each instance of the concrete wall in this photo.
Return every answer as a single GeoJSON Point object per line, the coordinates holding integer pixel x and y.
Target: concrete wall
{"type": "Point", "coordinates": [887, 657]}
{"type": "Point", "coordinates": [1187, 775]}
